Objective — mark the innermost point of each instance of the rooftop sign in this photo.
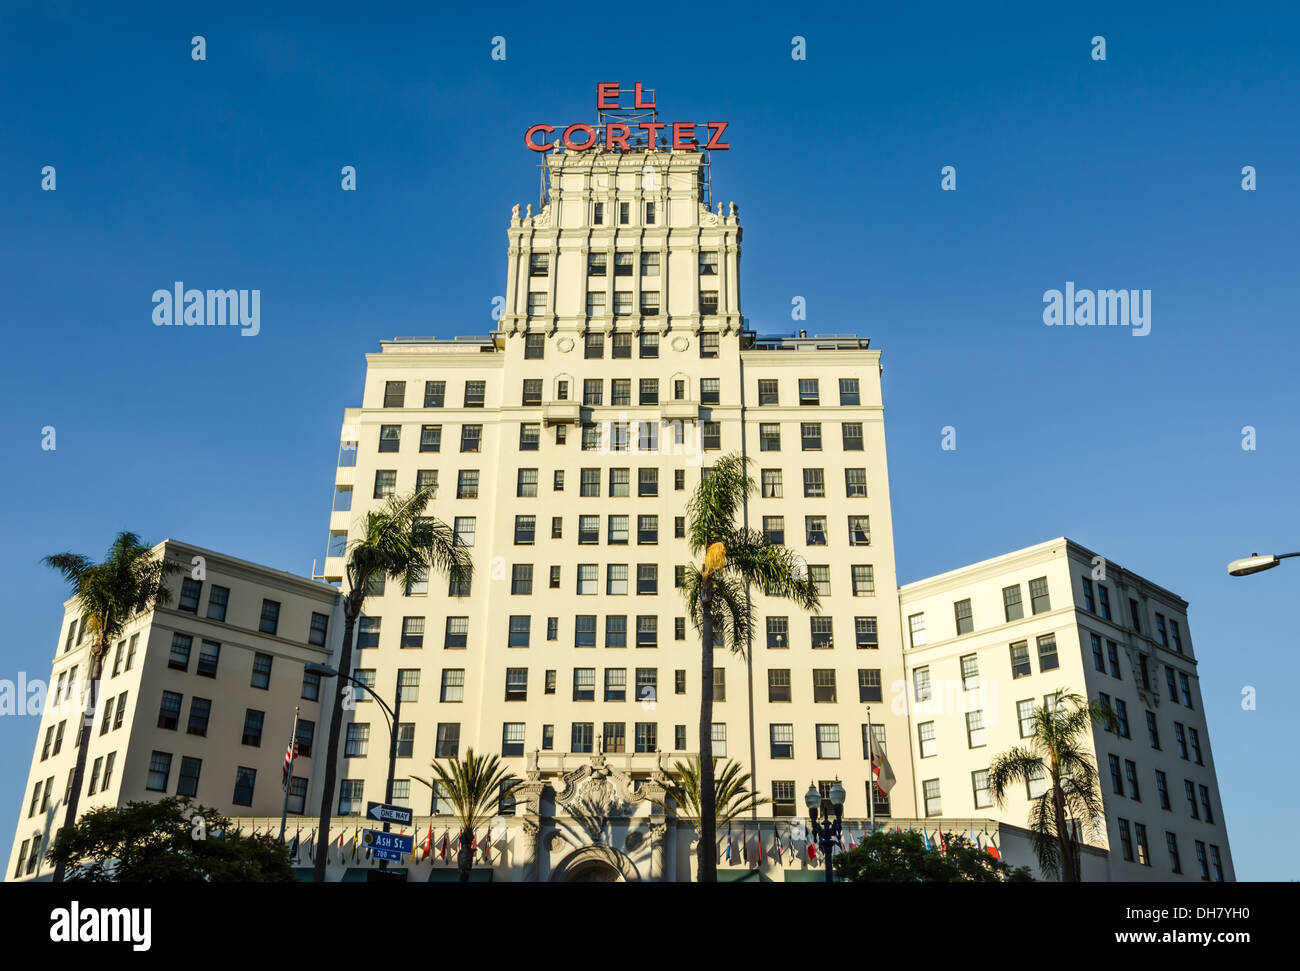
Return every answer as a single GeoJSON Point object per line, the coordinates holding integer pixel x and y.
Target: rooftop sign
{"type": "Point", "coordinates": [635, 133]}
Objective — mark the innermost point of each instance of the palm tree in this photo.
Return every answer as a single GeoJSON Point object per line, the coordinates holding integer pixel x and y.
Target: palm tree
{"type": "Point", "coordinates": [732, 796]}
{"type": "Point", "coordinates": [718, 600]}
{"type": "Point", "coordinates": [397, 541]}
{"type": "Point", "coordinates": [131, 580]}
{"type": "Point", "coordinates": [1057, 750]}
{"type": "Point", "coordinates": [475, 787]}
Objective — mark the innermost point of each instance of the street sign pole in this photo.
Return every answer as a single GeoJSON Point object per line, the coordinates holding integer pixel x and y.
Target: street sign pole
{"type": "Point", "coordinates": [392, 757]}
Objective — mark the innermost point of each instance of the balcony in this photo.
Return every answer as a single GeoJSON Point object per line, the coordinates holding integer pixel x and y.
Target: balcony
{"type": "Point", "coordinates": [680, 410]}
{"type": "Point", "coordinates": [561, 412]}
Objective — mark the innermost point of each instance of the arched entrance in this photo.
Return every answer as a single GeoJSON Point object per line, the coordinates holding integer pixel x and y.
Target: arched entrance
{"type": "Point", "coordinates": [595, 864]}
{"type": "Point", "coordinates": [593, 871]}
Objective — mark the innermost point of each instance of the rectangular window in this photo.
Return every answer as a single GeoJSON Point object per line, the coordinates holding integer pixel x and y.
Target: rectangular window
{"type": "Point", "coordinates": [1047, 659]}
{"type": "Point", "coordinates": [200, 712]}
{"type": "Point", "coordinates": [390, 438]}
{"type": "Point", "coordinates": [710, 391]}
{"type": "Point", "coordinates": [814, 483]}
{"type": "Point", "coordinates": [261, 671]}
{"type": "Point", "coordinates": [864, 581]}
{"type": "Point", "coordinates": [1020, 665]}
{"type": "Point", "coordinates": [218, 599]}
{"type": "Point", "coordinates": [471, 438]}
{"type": "Point", "coordinates": [772, 484]}
{"type": "Point", "coordinates": [822, 631]}
{"type": "Point", "coordinates": [475, 393]}
{"type": "Point", "coordinates": [773, 530]}
{"type": "Point", "coordinates": [647, 482]}
{"type": "Point", "coordinates": [810, 436]}
{"type": "Point", "coordinates": [169, 710]}
{"type": "Point", "coordinates": [435, 394]}
{"type": "Point", "coordinates": [647, 578]}
{"type": "Point", "coordinates": [1026, 717]}
{"type": "Point", "coordinates": [849, 394]}
{"type": "Point", "coordinates": [820, 576]}
{"type": "Point", "coordinates": [1011, 602]}
{"type": "Point", "coordinates": [616, 684]}
{"type": "Point", "coordinates": [447, 742]}
{"type": "Point", "coordinates": [975, 736]}
{"type": "Point", "coordinates": [525, 530]}
{"type": "Point", "coordinates": [778, 632]}
{"type": "Point", "coordinates": [457, 632]}
{"type": "Point", "coordinates": [808, 391]}
{"type": "Point", "coordinates": [616, 630]}
{"type": "Point", "coordinates": [965, 622]}
{"type": "Point", "coordinates": [709, 342]}
{"type": "Point", "coordinates": [1195, 738]}
{"type": "Point", "coordinates": [708, 262]}
{"type": "Point", "coordinates": [1103, 594]}
{"type": "Point", "coordinates": [823, 684]}
{"type": "Point", "coordinates": [916, 630]}
{"type": "Point", "coordinates": [851, 432]}
{"type": "Point", "coordinates": [187, 781]}
{"type": "Point", "coordinates": [623, 304]}
{"type": "Point", "coordinates": [865, 633]}
{"type": "Point", "coordinates": [921, 684]}
{"type": "Point", "coordinates": [1126, 840]}
{"type": "Point", "coordinates": [928, 744]}
{"type": "Point", "coordinates": [584, 630]}
{"type": "Point", "coordinates": [778, 684]}
{"type": "Point", "coordinates": [769, 437]}
{"type": "Point", "coordinates": [649, 345]}
{"type": "Point", "coordinates": [582, 738]}
{"type": "Point", "coordinates": [516, 684]}
{"type": "Point", "coordinates": [1130, 773]}
{"type": "Point", "coordinates": [453, 685]}
{"type": "Point", "coordinates": [180, 652]}
{"type": "Point", "coordinates": [828, 741]}
{"type": "Point", "coordinates": [933, 804]}
{"type": "Point", "coordinates": [970, 672]}
{"type": "Point", "coordinates": [245, 780]}
{"type": "Point", "coordinates": [253, 721]}
{"type": "Point", "coordinates": [855, 483]}
{"type": "Point", "coordinates": [521, 579]}
{"type": "Point", "coordinates": [191, 590]}
{"type": "Point", "coordinates": [584, 684]}
{"type": "Point", "coordinates": [782, 741]}
{"type": "Point", "coordinates": [351, 792]}
{"type": "Point", "coordinates": [394, 394]}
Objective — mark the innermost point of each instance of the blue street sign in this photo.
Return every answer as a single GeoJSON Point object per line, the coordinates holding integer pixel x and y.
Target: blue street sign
{"type": "Point", "coordinates": [391, 855]}
{"type": "Point", "coordinates": [391, 842]}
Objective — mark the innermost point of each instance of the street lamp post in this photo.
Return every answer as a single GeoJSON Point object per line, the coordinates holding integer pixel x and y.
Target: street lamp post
{"type": "Point", "coordinates": [392, 714]}
{"type": "Point", "coordinates": [827, 832]}
{"type": "Point", "coordinates": [1257, 564]}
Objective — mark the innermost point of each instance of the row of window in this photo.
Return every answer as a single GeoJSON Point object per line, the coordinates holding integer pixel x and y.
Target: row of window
{"type": "Point", "coordinates": [1178, 684]}
{"type": "Point", "coordinates": [1168, 631]}
{"type": "Point", "coordinates": [456, 633]}
{"type": "Point", "coordinates": [218, 603]}
{"type": "Point", "coordinates": [1012, 605]}
{"type": "Point", "coordinates": [1135, 848]}
{"type": "Point", "coordinates": [539, 264]}
{"type": "Point", "coordinates": [200, 716]}
{"type": "Point", "coordinates": [1125, 783]}
{"type": "Point", "coordinates": [649, 304]}
{"type": "Point", "coordinates": [435, 392]}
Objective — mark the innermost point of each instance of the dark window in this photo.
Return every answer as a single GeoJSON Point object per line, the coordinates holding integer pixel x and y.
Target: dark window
{"type": "Point", "coordinates": [394, 394]}
{"type": "Point", "coordinates": [270, 621]}
{"type": "Point", "coordinates": [169, 711]}
{"type": "Point", "coordinates": [191, 590]}
{"type": "Point", "coordinates": [187, 781]}
{"type": "Point", "coordinates": [319, 629]}
{"type": "Point", "coordinates": [245, 779]}
{"type": "Point", "coordinates": [261, 671]}
{"type": "Point", "coordinates": [180, 652]}
{"type": "Point", "coordinates": [218, 598]}
{"type": "Point", "coordinates": [253, 721]}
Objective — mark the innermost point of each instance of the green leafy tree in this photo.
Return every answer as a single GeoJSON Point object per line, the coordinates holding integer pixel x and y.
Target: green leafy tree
{"type": "Point", "coordinates": [732, 795]}
{"type": "Point", "coordinates": [718, 600]}
{"type": "Point", "coordinates": [169, 841]}
{"type": "Point", "coordinates": [885, 857]}
{"type": "Point", "coordinates": [400, 543]}
{"type": "Point", "coordinates": [474, 786]}
{"type": "Point", "coordinates": [1057, 751]}
{"type": "Point", "coordinates": [130, 581]}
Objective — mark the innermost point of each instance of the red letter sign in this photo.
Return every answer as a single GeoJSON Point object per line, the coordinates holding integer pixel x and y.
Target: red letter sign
{"type": "Point", "coordinates": [606, 90]}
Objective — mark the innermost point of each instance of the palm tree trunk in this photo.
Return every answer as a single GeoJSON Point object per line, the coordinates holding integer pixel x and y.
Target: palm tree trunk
{"type": "Point", "coordinates": [465, 856]}
{"type": "Point", "coordinates": [88, 721]}
{"type": "Point", "coordinates": [707, 849]}
{"type": "Point", "coordinates": [1069, 872]}
{"type": "Point", "coordinates": [351, 610]}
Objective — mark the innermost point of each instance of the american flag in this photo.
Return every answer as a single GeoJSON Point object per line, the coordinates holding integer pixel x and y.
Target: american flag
{"type": "Point", "coordinates": [290, 753]}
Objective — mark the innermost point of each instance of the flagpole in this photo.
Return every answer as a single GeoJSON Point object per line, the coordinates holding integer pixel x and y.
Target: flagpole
{"type": "Point", "coordinates": [871, 769]}
{"type": "Point", "coordinates": [288, 776]}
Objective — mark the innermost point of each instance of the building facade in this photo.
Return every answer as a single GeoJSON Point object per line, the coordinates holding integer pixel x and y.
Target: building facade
{"type": "Point", "coordinates": [196, 699]}
{"type": "Point", "coordinates": [562, 448]}
{"type": "Point", "coordinates": [987, 643]}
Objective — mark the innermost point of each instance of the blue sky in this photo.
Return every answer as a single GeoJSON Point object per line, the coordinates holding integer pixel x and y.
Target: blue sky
{"type": "Point", "coordinates": [1124, 173]}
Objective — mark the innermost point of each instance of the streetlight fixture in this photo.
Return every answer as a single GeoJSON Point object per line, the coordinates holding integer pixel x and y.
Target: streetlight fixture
{"type": "Point", "coordinates": [827, 832]}
{"type": "Point", "coordinates": [392, 714]}
{"type": "Point", "coordinates": [1256, 564]}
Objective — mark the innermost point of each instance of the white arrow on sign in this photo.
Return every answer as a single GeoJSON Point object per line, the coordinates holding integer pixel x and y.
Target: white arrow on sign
{"type": "Point", "coordinates": [393, 814]}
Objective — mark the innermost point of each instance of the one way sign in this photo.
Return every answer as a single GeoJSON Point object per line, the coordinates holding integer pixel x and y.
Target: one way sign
{"type": "Point", "coordinates": [389, 814]}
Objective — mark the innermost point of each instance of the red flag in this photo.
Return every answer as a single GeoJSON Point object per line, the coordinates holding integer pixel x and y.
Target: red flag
{"type": "Point", "coordinates": [993, 849]}
{"type": "Point", "coordinates": [812, 849]}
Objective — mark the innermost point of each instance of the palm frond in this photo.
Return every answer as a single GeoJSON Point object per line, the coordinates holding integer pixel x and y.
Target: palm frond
{"type": "Point", "coordinates": [711, 510]}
